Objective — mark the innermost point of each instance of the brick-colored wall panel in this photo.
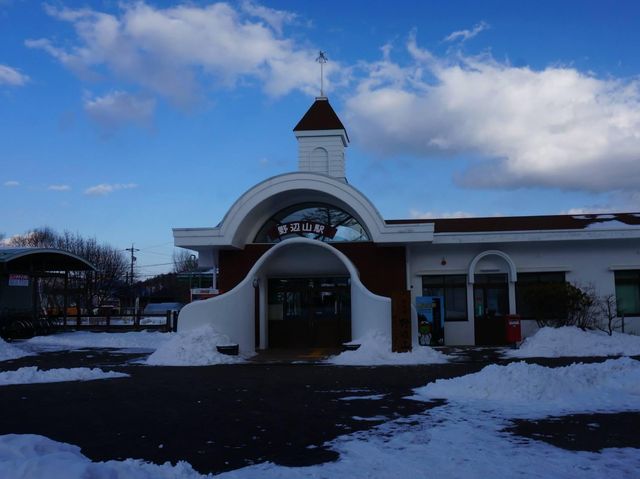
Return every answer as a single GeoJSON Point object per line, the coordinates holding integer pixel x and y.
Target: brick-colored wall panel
{"type": "Point", "coordinates": [382, 269]}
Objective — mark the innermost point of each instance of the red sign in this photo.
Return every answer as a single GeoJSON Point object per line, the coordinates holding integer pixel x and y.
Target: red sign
{"type": "Point", "coordinates": [304, 227]}
{"type": "Point", "coordinates": [203, 293]}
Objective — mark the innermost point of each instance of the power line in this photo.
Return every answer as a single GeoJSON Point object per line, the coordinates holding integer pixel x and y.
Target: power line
{"type": "Point", "coordinates": [150, 265]}
{"type": "Point", "coordinates": [156, 245]}
{"type": "Point", "coordinates": [159, 254]}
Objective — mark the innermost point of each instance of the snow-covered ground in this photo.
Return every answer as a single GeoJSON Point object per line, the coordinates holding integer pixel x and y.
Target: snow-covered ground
{"type": "Point", "coordinates": [375, 350]}
{"type": "Point", "coordinates": [9, 351]}
{"type": "Point", "coordinates": [193, 348]}
{"type": "Point", "coordinates": [572, 341]}
{"type": "Point", "coordinates": [461, 439]}
{"type": "Point", "coordinates": [84, 339]}
{"type": "Point", "coordinates": [29, 375]}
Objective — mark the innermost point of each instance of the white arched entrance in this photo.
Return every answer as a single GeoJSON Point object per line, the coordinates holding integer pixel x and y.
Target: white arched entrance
{"type": "Point", "coordinates": [233, 313]}
{"type": "Point", "coordinates": [485, 298]}
{"type": "Point", "coordinates": [510, 268]}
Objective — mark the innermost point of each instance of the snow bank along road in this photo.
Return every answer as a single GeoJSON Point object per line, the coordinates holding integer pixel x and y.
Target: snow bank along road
{"type": "Point", "coordinates": [224, 417]}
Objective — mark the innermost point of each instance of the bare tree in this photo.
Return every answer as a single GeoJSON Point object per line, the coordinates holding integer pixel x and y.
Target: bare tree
{"type": "Point", "coordinates": [608, 313]}
{"type": "Point", "coordinates": [111, 264]}
{"type": "Point", "coordinates": [184, 261]}
{"type": "Point", "coordinates": [43, 237]}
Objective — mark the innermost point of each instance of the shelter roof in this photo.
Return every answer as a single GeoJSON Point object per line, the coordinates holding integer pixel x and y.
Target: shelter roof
{"type": "Point", "coordinates": [42, 259]}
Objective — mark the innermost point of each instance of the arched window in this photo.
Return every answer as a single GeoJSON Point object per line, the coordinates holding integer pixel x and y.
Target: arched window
{"type": "Point", "coordinates": [312, 220]}
{"type": "Point", "coordinates": [319, 160]}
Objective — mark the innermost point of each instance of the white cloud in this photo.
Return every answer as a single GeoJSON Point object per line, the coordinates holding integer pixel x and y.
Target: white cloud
{"type": "Point", "coordinates": [616, 202]}
{"type": "Point", "coordinates": [556, 127]}
{"type": "Point", "coordinates": [175, 51]}
{"type": "Point", "coordinates": [276, 19]}
{"type": "Point", "coordinates": [59, 187]}
{"type": "Point", "coordinates": [417, 214]}
{"type": "Point", "coordinates": [104, 189]}
{"type": "Point", "coordinates": [12, 76]}
{"type": "Point", "coordinates": [464, 35]}
{"type": "Point", "coordinates": [118, 107]}
{"type": "Point", "coordinates": [11, 183]}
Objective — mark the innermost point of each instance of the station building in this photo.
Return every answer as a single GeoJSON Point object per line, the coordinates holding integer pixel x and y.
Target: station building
{"type": "Point", "coordinates": [304, 259]}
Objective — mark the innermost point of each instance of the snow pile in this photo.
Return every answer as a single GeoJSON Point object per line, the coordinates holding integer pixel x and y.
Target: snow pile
{"type": "Point", "coordinates": [9, 351]}
{"type": "Point", "coordinates": [83, 339]}
{"type": "Point", "coordinates": [196, 347]}
{"type": "Point", "coordinates": [611, 385]}
{"type": "Point", "coordinates": [34, 375]}
{"type": "Point", "coordinates": [572, 341]}
{"type": "Point", "coordinates": [375, 350]}
{"type": "Point", "coordinates": [30, 456]}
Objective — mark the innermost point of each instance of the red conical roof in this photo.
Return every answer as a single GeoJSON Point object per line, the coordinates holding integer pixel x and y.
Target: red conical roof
{"type": "Point", "coordinates": [320, 117]}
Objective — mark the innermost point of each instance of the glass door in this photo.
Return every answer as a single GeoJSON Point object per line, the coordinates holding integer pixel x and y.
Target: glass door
{"type": "Point", "coordinates": [309, 312]}
{"type": "Point", "coordinates": [491, 304]}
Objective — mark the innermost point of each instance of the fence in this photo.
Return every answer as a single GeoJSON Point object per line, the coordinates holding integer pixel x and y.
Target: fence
{"type": "Point", "coordinates": [24, 326]}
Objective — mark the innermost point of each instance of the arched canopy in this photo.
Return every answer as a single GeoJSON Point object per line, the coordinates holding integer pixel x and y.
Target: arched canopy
{"type": "Point", "coordinates": [254, 208]}
{"type": "Point", "coordinates": [511, 267]}
{"type": "Point", "coordinates": [257, 205]}
{"type": "Point", "coordinates": [39, 260]}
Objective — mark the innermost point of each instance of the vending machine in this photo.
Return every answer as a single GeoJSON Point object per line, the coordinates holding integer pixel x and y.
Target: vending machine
{"type": "Point", "coordinates": [430, 320]}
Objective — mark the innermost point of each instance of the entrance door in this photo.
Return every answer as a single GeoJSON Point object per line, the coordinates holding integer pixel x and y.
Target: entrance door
{"type": "Point", "coordinates": [309, 312]}
{"type": "Point", "coordinates": [491, 304]}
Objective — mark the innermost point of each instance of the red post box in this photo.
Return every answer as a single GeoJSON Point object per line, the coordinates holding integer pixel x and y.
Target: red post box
{"type": "Point", "coordinates": [512, 327]}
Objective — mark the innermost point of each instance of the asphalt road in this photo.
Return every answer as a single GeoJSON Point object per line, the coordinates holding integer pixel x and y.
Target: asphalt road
{"type": "Point", "coordinates": [224, 417]}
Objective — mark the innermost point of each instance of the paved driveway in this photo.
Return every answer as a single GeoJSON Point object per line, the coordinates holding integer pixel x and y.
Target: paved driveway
{"type": "Point", "coordinates": [224, 417]}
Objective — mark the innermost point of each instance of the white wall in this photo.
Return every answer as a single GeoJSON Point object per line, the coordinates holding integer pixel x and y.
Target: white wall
{"type": "Point", "coordinates": [587, 263]}
{"type": "Point", "coordinates": [369, 312]}
{"type": "Point", "coordinates": [233, 313]}
{"type": "Point", "coordinates": [230, 313]}
{"type": "Point", "coordinates": [333, 164]}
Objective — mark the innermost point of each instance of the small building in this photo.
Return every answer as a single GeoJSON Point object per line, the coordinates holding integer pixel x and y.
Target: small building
{"type": "Point", "coordinates": [305, 259]}
{"type": "Point", "coordinates": [23, 274]}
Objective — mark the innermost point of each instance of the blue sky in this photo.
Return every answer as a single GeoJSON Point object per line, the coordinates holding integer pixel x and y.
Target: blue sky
{"type": "Point", "coordinates": [121, 120]}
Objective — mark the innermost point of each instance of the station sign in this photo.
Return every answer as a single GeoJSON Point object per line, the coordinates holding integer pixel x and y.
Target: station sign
{"type": "Point", "coordinates": [302, 227]}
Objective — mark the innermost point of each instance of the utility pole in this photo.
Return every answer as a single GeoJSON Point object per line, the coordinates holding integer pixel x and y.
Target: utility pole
{"type": "Point", "coordinates": [133, 259]}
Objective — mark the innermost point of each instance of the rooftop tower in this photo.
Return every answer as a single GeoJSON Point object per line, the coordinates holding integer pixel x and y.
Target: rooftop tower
{"type": "Point", "coordinates": [322, 139]}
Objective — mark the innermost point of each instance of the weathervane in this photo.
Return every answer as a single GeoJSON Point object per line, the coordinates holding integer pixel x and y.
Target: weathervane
{"type": "Point", "coordinates": [322, 59]}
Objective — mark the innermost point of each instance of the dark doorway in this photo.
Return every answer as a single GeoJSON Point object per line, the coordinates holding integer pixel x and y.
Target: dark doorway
{"type": "Point", "coordinates": [490, 305]}
{"type": "Point", "coordinates": [309, 312]}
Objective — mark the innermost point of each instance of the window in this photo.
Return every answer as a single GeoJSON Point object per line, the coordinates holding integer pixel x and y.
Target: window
{"type": "Point", "coordinates": [453, 288]}
{"type": "Point", "coordinates": [312, 220]}
{"type": "Point", "coordinates": [530, 286]}
{"type": "Point", "coordinates": [628, 292]}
